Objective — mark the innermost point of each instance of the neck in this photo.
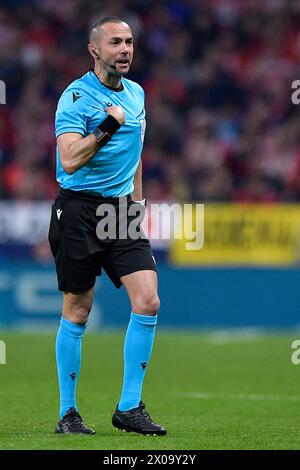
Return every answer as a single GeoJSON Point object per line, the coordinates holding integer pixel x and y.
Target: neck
{"type": "Point", "coordinates": [107, 78]}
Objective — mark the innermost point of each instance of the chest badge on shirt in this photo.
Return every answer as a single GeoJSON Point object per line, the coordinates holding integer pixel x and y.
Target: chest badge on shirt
{"type": "Point", "coordinates": [143, 128]}
{"type": "Point", "coordinates": [105, 105]}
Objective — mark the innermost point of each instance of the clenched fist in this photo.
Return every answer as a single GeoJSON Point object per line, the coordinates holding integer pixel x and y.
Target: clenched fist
{"type": "Point", "coordinates": [117, 112]}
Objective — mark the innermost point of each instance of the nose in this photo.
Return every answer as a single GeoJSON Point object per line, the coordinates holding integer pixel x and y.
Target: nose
{"type": "Point", "coordinates": [124, 48]}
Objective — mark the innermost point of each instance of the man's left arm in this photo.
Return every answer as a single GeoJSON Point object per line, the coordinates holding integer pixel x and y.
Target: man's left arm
{"type": "Point", "coordinates": [137, 194]}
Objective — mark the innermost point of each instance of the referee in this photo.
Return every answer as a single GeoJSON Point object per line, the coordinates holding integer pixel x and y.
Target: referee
{"type": "Point", "coordinates": [100, 124]}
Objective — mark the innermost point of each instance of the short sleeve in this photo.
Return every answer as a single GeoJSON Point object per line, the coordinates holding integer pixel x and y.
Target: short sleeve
{"type": "Point", "coordinates": [70, 115]}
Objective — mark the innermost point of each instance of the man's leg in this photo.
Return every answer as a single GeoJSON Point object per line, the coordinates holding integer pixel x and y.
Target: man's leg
{"type": "Point", "coordinates": [76, 308]}
{"type": "Point", "coordinates": [130, 414]}
{"type": "Point", "coordinates": [142, 290]}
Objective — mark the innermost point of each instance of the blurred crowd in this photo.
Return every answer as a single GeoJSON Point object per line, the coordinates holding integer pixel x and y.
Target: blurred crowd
{"type": "Point", "coordinates": [221, 125]}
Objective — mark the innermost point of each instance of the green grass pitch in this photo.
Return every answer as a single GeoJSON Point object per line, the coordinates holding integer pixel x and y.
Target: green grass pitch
{"type": "Point", "coordinates": [210, 393]}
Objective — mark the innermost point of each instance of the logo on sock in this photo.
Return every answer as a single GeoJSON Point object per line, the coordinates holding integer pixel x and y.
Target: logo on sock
{"type": "Point", "coordinates": [144, 365]}
{"type": "Point", "coordinates": [73, 375]}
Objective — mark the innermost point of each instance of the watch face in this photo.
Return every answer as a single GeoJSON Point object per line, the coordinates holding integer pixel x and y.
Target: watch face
{"type": "Point", "coordinates": [104, 138]}
{"type": "Point", "coordinates": [99, 134]}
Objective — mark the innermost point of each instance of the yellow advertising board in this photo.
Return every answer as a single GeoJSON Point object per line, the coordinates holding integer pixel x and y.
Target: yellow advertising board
{"type": "Point", "coordinates": [244, 234]}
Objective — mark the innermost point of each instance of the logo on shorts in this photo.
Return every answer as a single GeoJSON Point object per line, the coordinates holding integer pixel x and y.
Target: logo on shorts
{"type": "Point", "coordinates": [73, 375]}
{"type": "Point", "coordinates": [144, 365]}
{"type": "Point", "coordinates": [58, 213]}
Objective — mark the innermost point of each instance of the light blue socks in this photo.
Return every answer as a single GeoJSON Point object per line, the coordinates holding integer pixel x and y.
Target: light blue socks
{"type": "Point", "coordinates": [68, 361]}
{"type": "Point", "coordinates": [137, 352]}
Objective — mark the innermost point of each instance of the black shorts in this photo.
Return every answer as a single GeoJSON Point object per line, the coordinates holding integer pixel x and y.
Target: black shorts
{"type": "Point", "coordinates": [80, 254]}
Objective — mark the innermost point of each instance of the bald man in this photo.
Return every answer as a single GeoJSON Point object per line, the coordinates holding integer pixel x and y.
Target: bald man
{"type": "Point", "coordinates": [100, 125]}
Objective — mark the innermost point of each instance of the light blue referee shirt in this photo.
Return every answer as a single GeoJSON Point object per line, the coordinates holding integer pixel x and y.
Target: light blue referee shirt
{"type": "Point", "coordinates": [110, 172]}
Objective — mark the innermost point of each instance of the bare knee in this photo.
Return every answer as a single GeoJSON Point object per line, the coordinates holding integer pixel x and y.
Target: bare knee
{"type": "Point", "coordinates": [78, 315]}
{"type": "Point", "coordinates": [147, 304]}
{"type": "Point", "coordinates": [76, 307]}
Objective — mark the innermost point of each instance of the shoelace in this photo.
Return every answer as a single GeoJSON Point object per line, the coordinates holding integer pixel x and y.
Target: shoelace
{"type": "Point", "coordinates": [143, 414]}
{"type": "Point", "coordinates": [147, 416]}
{"type": "Point", "coordinates": [77, 420]}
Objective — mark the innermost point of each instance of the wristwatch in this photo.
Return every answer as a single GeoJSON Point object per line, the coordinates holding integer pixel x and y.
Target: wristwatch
{"type": "Point", "coordinates": [106, 129]}
{"type": "Point", "coordinates": [102, 137]}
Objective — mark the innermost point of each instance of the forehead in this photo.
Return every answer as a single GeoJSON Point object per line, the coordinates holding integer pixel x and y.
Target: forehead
{"type": "Point", "coordinates": [116, 30]}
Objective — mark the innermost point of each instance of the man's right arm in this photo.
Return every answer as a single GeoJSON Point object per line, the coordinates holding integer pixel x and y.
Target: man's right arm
{"type": "Point", "coordinates": [76, 150]}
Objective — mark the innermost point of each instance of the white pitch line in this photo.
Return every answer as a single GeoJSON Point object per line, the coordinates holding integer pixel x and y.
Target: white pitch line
{"type": "Point", "coordinates": [241, 335]}
{"type": "Point", "coordinates": [240, 396]}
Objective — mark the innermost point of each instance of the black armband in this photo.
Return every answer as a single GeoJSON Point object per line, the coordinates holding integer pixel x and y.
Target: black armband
{"type": "Point", "coordinates": [106, 129]}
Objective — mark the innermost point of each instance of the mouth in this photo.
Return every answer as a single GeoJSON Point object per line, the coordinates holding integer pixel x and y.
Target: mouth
{"type": "Point", "coordinates": [123, 62]}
